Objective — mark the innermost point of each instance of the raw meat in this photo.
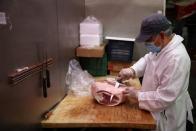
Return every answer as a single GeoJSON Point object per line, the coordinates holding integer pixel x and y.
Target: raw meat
{"type": "Point", "coordinates": [102, 92]}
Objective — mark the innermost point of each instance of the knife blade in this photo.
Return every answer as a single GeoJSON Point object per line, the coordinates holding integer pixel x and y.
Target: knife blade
{"type": "Point", "coordinates": [117, 84]}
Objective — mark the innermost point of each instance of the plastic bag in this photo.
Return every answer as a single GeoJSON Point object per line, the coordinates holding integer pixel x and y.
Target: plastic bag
{"type": "Point", "coordinates": [92, 19]}
{"type": "Point", "coordinates": [78, 80]}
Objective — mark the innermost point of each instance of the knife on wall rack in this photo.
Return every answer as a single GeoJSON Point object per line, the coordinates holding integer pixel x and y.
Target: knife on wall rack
{"type": "Point", "coordinates": [19, 75]}
{"type": "Point", "coordinates": [47, 71]}
{"type": "Point", "coordinates": [44, 79]}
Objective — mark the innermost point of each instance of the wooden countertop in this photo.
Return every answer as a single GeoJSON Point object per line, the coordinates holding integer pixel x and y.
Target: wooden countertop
{"type": "Point", "coordinates": [77, 111]}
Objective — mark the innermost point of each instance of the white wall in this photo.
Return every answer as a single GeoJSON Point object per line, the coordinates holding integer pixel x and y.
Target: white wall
{"type": "Point", "coordinates": [122, 18]}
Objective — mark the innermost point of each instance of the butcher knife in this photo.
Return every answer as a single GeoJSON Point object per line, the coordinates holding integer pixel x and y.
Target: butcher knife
{"type": "Point", "coordinates": [116, 86]}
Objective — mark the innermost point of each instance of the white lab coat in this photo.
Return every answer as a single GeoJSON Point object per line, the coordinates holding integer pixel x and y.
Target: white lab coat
{"type": "Point", "coordinates": [164, 87]}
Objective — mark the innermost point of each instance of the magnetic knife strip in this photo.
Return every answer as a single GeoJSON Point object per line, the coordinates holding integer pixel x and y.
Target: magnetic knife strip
{"type": "Point", "coordinates": [16, 77]}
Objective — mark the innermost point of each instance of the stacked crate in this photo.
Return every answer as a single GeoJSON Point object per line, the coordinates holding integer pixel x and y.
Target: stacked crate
{"type": "Point", "coordinates": [96, 66]}
{"type": "Point", "coordinates": [91, 52]}
{"type": "Point", "coordinates": [120, 54]}
{"type": "Point", "coordinates": [115, 66]}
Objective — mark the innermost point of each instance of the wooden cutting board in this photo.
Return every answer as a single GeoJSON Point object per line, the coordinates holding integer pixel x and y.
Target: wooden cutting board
{"type": "Point", "coordinates": [75, 111]}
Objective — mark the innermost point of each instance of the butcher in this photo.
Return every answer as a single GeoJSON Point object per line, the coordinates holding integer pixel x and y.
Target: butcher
{"type": "Point", "coordinates": [165, 71]}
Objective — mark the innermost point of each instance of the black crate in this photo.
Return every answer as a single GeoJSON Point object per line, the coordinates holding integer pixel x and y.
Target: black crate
{"type": "Point", "coordinates": [120, 50]}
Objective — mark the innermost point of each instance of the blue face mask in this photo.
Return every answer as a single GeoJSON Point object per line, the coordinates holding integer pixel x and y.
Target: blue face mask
{"type": "Point", "coordinates": [152, 48]}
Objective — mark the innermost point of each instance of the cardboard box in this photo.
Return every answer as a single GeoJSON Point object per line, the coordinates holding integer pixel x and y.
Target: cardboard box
{"type": "Point", "coordinates": [91, 52]}
{"type": "Point", "coordinates": [114, 73]}
{"type": "Point", "coordinates": [116, 66]}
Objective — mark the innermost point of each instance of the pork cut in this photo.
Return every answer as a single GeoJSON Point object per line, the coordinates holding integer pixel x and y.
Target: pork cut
{"type": "Point", "coordinates": [107, 94]}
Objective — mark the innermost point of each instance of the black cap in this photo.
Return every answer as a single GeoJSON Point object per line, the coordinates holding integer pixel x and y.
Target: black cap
{"type": "Point", "coordinates": [152, 25]}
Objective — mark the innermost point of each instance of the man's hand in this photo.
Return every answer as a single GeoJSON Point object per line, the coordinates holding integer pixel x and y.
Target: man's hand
{"type": "Point", "coordinates": [131, 92]}
{"type": "Point", "coordinates": [126, 73]}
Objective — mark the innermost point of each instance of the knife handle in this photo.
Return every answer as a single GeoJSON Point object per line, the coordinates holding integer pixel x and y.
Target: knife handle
{"type": "Point", "coordinates": [44, 88]}
{"type": "Point", "coordinates": [48, 78]}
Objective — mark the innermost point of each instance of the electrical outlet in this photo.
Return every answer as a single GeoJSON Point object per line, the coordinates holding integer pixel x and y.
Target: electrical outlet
{"type": "Point", "coordinates": [3, 18]}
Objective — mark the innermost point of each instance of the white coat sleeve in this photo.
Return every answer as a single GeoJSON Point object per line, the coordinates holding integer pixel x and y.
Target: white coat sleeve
{"type": "Point", "coordinates": [140, 66]}
{"type": "Point", "coordinates": [172, 81]}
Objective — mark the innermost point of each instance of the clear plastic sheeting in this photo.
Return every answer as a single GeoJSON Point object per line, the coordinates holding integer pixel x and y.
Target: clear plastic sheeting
{"type": "Point", "coordinates": [78, 80]}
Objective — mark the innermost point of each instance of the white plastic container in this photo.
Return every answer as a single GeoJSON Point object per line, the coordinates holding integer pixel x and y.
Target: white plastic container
{"type": "Point", "coordinates": [90, 40]}
{"type": "Point", "coordinates": [91, 25]}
